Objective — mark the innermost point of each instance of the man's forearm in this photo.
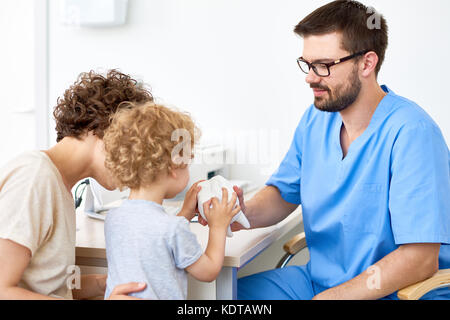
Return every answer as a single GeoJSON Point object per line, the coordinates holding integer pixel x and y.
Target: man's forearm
{"type": "Point", "coordinates": [405, 266]}
{"type": "Point", "coordinates": [267, 208]}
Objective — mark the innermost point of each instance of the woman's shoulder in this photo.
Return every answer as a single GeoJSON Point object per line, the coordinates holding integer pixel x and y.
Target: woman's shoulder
{"type": "Point", "coordinates": [30, 166]}
{"type": "Point", "coordinates": [29, 159]}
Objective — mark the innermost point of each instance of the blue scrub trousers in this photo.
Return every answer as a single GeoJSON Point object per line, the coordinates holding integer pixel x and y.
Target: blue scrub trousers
{"type": "Point", "coordinates": [290, 283]}
{"type": "Point", "coordinates": [294, 283]}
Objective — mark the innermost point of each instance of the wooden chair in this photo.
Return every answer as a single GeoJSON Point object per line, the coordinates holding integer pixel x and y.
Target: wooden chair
{"type": "Point", "coordinates": [414, 292]}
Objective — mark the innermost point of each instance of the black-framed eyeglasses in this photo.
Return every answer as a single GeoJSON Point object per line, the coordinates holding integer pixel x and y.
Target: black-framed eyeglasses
{"type": "Point", "coordinates": [323, 69]}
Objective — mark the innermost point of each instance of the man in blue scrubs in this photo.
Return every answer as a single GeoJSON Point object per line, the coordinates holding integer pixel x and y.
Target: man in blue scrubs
{"type": "Point", "coordinates": [369, 168]}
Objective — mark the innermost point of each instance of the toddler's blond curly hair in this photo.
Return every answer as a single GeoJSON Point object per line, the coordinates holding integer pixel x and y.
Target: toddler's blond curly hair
{"type": "Point", "coordinates": [139, 145]}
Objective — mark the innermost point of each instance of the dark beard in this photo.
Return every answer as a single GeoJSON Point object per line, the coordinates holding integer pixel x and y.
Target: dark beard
{"type": "Point", "coordinates": [343, 98]}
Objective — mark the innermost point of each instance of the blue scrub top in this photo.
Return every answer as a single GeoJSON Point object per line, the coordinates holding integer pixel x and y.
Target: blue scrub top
{"type": "Point", "coordinates": [392, 188]}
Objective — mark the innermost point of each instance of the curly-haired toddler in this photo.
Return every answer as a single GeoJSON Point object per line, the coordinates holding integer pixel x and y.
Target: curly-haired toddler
{"type": "Point", "coordinates": [148, 150]}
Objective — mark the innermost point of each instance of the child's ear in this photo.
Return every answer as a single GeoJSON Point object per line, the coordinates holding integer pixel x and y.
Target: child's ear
{"type": "Point", "coordinates": [172, 173]}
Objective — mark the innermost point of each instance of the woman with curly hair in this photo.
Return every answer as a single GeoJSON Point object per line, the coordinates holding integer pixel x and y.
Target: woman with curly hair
{"type": "Point", "coordinates": [37, 213]}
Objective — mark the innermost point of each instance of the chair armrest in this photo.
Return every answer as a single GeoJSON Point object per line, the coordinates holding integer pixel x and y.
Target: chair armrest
{"type": "Point", "coordinates": [296, 244]}
{"type": "Point", "coordinates": [418, 290]}
{"type": "Point", "coordinates": [413, 292]}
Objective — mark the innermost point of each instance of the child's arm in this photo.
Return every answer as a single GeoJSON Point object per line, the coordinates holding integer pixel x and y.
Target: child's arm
{"type": "Point", "coordinates": [219, 217]}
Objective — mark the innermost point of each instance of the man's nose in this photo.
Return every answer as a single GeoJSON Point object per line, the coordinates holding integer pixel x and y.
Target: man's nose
{"type": "Point", "coordinates": [312, 77]}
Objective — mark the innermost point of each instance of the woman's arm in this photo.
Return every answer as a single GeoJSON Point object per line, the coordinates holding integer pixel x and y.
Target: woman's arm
{"type": "Point", "coordinates": [14, 259]}
{"type": "Point", "coordinates": [91, 286]}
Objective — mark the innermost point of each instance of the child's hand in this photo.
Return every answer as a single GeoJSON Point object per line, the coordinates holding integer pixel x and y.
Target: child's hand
{"type": "Point", "coordinates": [190, 202]}
{"type": "Point", "coordinates": [221, 212]}
{"type": "Point", "coordinates": [219, 217]}
{"type": "Point", "coordinates": [235, 226]}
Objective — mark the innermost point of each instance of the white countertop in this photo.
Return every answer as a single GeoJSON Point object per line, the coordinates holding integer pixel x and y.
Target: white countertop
{"type": "Point", "coordinates": [239, 250]}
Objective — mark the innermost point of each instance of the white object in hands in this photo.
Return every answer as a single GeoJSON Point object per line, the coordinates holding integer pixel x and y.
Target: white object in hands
{"type": "Point", "coordinates": [213, 188]}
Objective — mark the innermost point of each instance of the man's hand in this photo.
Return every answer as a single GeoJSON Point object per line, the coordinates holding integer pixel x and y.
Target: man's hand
{"type": "Point", "coordinates": [266, 208]}
{"type": "Point", "coordinates": [236, 226]}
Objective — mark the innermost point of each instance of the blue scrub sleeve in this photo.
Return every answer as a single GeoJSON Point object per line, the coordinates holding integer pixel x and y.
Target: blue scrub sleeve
{"type": "Point", "coordinates": [419, 200]}
{"type": "Point", "coordinates": [288, 176]}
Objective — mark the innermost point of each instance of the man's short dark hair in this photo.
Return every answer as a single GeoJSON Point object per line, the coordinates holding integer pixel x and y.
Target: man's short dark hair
{"type": "Point", "coordinates": [362, 28]}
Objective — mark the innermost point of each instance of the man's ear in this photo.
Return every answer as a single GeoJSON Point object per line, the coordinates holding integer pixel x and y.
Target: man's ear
{"type": "Point", "coordinates": [369, 63]}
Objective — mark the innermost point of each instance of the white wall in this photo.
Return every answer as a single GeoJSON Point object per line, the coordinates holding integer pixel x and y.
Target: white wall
{"type": "Point", "coordinates": [231, 63]}
{"type": "Point", "coordinates": [17, 125]}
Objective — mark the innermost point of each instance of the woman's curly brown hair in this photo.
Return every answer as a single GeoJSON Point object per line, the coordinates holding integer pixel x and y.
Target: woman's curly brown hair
{"type": "Point", "coordinates": [88, 104]}
{"type": "Point", "coordinates": [139, 143]}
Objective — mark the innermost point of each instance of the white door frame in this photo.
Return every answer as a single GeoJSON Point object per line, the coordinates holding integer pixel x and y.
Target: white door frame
{"type": "Point", "coordinates": [41, 73]}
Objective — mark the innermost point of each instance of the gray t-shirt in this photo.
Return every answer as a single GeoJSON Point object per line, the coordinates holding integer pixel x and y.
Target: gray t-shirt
{"type": "Point", "coordinates": [145, 244]}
